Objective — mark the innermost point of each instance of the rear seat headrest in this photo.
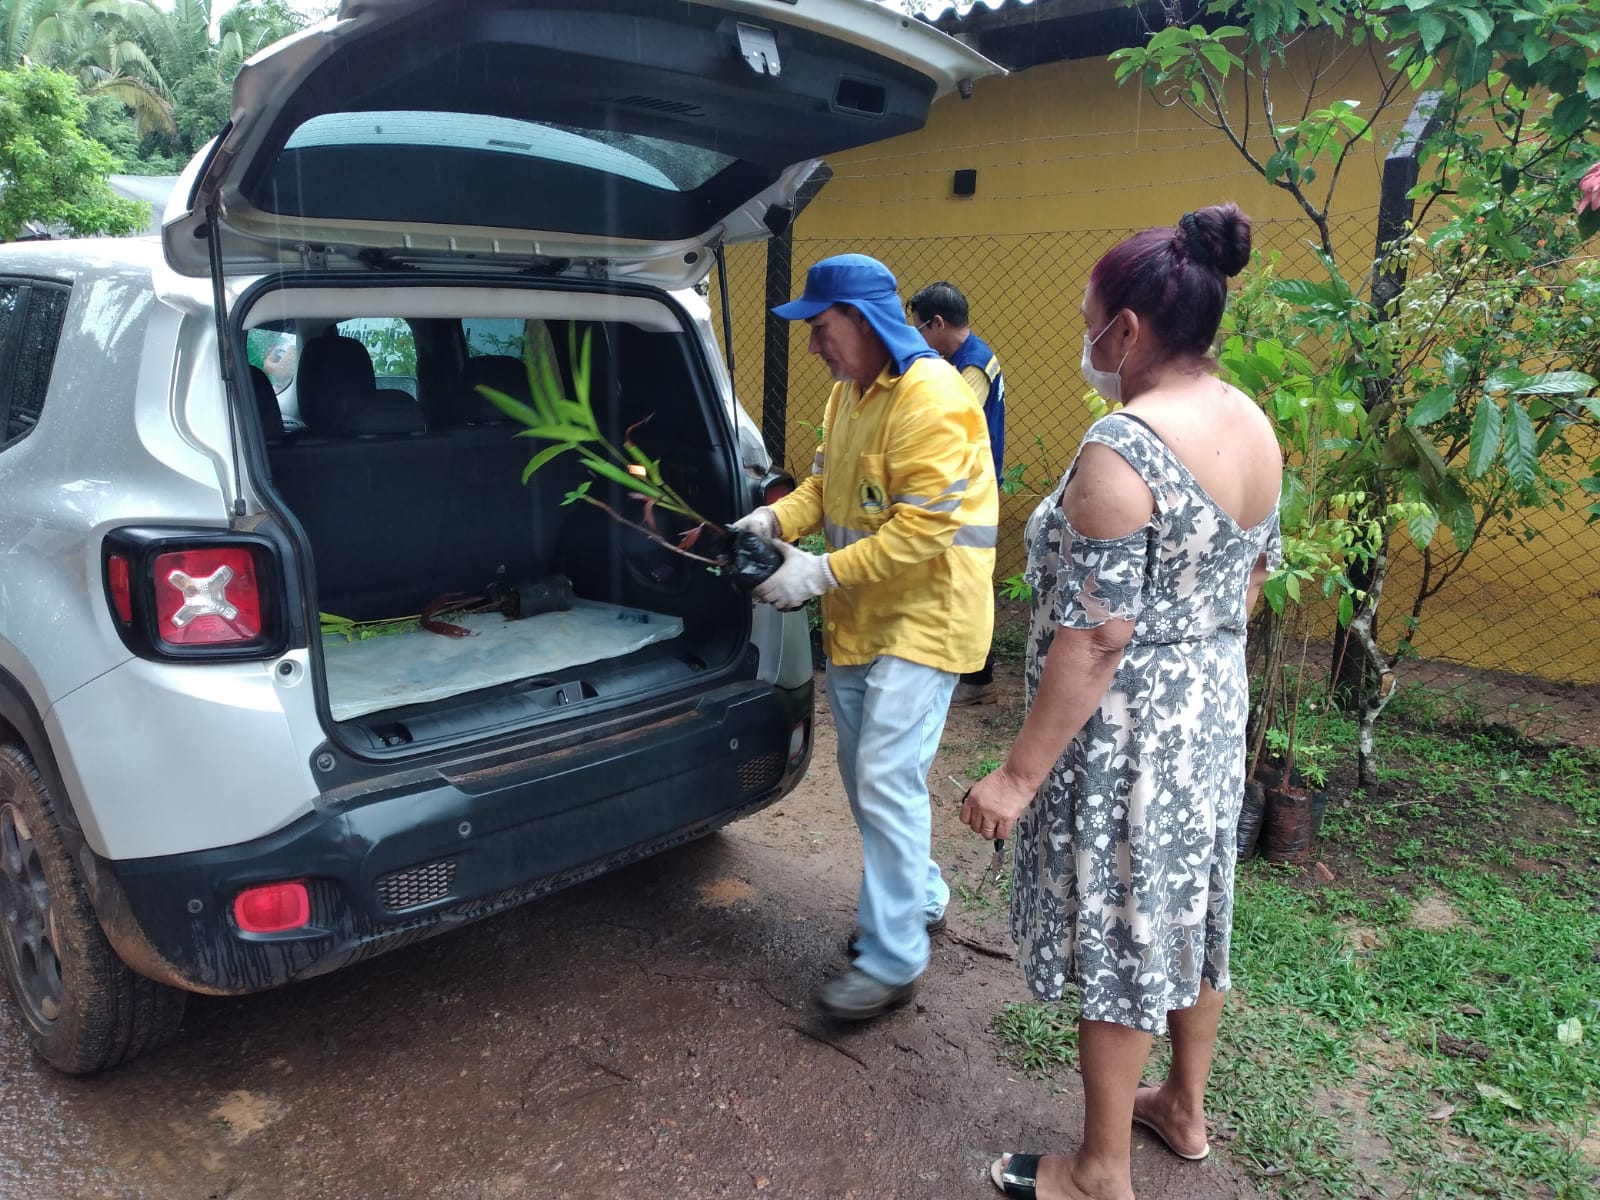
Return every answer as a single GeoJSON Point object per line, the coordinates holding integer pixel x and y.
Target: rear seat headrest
{"type": "Point", "coordinates": [333, 371]}
{"type": "Point", "coordinates": [339, 395]}
{"type": "Point", "coordinates": [267, 409]}
{"type": "Point", "coordinates": [502, 372]}
{"type": "Point", "coordinates": [386, 410]}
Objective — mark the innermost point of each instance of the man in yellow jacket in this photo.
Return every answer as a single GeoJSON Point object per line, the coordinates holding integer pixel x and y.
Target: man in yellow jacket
{"type": "Point", "coordinates": [903, 488]}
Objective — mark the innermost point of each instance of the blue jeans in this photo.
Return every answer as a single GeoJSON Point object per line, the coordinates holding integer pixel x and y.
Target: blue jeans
{"type": "Point", "coordinates": [889, 715]}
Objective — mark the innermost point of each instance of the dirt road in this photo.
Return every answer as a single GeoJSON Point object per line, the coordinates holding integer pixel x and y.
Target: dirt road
{"type": "Point", "coordinates": [643, 1036]}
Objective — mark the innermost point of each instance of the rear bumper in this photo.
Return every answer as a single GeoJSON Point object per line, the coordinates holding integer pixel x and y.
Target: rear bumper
{"type": "Point", "coordinates": [394, 867]}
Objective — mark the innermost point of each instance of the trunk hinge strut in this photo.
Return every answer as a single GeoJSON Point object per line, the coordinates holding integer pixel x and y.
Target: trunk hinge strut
{"type": "Point", "coordinates": [225, 366]}
{"type": "Point", "coordinates": [727, 317]}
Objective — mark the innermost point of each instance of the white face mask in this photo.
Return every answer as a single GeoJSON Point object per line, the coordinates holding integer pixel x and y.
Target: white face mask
{"type": "Point", "coordinates": [1107, 383]}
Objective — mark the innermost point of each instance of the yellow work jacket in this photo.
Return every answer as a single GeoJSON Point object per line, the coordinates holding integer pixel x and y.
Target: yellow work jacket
{"type": "Point", "coordinates": [903, 489]}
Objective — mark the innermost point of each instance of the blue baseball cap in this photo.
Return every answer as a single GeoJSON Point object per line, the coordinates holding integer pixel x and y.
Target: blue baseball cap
{"type": "Point", "coordinates": [869, 287]}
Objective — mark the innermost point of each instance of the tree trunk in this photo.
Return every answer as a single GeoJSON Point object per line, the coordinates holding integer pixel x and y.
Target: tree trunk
{"type": "Point", "coordinates": [1378, 667]}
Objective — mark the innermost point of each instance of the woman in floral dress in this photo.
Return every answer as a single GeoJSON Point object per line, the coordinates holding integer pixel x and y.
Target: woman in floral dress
{"type": "Point", "coordinates": [1122, 790]}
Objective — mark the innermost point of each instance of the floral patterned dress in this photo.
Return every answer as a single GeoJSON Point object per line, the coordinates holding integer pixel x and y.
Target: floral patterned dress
{"type": "Point", "coordinates": [1123, 865]}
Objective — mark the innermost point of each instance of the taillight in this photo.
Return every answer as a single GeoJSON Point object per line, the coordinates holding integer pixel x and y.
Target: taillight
{"type": "Point", "coordinates": [121, 590]}
{"type": "Point", "coordinates": [196, 593]}
{"type": "Point", "coordinates": [776, 486]}
{"type": "Point", "coordinates": [273, 907]}
{"type": "Point", "coordinates": [207, 596]}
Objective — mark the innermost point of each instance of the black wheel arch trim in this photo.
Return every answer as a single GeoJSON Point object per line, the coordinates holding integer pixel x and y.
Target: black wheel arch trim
{"type": "Point", "coordinates": [19, 713]}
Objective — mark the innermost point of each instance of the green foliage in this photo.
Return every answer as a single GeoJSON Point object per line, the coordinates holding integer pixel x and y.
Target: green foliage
{"type": "Point", "coordinates": [334, 626]}
{"type": "Point", "coordinates": [1035, 476]}
{"type": "Point", "coordinates": [813, 543]}
{"type": "Point", "coordinates": [1431, 394]}
{"type": "Point", "coordinates": [1041, 1037]}
{"type": "Point", "coordinates": [50, 170]}
{"type": "Point", "coordinates": [1016, 587]}
{"type": "Point", "coordinates": [983, 768]}
{"type": "Point", "coordinates": [107, 122]}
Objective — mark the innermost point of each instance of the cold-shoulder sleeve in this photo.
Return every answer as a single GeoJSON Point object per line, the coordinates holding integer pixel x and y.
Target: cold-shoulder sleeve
{"type": "Point", "coordinates": [1101, 580]}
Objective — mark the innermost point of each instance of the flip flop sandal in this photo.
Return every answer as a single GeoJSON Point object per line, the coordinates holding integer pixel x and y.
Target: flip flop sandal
{"type": "Point", "coordinates": [1016, 1176]}
{"type": "Point", "coordinates": [1205, 1150]}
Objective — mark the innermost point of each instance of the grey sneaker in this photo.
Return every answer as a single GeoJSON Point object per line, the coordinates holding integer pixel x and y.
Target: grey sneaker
{"type": "Point", "coordinates": [857, 996]}
{"type": "Point", "coordinates": [934, 926]}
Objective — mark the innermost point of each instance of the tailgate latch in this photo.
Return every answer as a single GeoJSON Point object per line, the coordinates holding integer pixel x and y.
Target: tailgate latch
{"type": "Point", "coordinates": [759, 49]}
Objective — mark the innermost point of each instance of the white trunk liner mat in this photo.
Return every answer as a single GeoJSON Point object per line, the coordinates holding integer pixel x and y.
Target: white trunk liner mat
{"type": "Point", "coordinates": [412, 668]}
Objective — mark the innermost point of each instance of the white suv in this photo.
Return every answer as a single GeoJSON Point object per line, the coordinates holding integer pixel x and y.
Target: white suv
{"type": "Point", "coordinates": [240, 463]}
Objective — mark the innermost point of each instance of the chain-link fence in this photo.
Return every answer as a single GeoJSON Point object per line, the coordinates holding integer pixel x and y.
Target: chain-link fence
{"type": "Point", "coordinates": [1524, 605]}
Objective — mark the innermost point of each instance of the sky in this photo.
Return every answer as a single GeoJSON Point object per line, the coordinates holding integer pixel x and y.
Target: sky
{"type": "Point", "coordinates": [316, 6]}
{"type": "Point", "coordinates": [218, 7]}
{"type": "Point", "coordinates": [931, 7]}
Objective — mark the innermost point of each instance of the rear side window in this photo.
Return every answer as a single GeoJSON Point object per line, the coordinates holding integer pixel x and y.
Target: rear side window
{"type": "Point", "coordinates": [31, 316]}
{"type": "Point", "coordinates": [506, 336]}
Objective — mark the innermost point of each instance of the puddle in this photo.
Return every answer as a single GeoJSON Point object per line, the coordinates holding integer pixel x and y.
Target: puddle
{"type": "Point", "coordinates": [245, 1113]}
{"type": "Point", "coordinates": [725, 892]}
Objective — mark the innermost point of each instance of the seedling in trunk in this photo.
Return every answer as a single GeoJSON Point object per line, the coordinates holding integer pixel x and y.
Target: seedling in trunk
{"type": "Point", "coordinates": [569, 425]}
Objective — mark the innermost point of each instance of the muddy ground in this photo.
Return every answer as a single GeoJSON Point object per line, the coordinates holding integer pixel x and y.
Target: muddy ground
{"type": "Point", "coordinates": [646, 1035]}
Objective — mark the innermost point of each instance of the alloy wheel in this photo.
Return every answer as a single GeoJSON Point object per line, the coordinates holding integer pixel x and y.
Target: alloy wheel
{"type": "Point", "coordinates": [26, 919]}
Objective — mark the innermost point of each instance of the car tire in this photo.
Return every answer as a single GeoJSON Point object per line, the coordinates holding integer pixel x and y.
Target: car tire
{"type": "Point", "coordinates": [84, 1009]}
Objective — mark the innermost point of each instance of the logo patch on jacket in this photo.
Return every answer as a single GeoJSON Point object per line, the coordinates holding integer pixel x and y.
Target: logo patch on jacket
{"type": "Point", "coordinates": [872, 496]}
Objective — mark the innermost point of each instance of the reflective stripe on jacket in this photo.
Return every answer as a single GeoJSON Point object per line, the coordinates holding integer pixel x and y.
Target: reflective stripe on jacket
{"type": "Point", "coordinates": [903, 489]}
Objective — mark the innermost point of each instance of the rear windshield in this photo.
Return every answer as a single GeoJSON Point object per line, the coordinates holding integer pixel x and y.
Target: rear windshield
{"type": "Point", "coordinates": [654, 162]}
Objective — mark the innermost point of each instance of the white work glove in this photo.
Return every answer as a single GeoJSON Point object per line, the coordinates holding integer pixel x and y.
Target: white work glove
{"type": "Point", "coordinates": [760, 521]}
{"type": "Point", "coordinates": [802, 576]}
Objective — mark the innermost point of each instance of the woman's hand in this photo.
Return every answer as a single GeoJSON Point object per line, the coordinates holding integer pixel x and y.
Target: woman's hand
{"type": "Point", "coordinates": [994, 803]}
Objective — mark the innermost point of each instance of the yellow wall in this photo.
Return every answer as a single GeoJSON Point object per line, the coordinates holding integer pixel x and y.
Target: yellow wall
{"type": "Point", "coordinates": [1067, 164]}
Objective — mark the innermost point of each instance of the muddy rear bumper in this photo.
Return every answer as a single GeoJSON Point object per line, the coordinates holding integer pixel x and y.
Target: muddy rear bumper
{"type": "Point", "coordinates": [400, 865]}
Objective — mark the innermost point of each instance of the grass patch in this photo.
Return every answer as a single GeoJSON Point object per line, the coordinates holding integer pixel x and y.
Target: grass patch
{"type": "Point", "coordinates": [983, 768]}
{"type": "Point", "coordinates": [1010, 643]}
{"type": "Point", "coordinates": [1428, 1024]}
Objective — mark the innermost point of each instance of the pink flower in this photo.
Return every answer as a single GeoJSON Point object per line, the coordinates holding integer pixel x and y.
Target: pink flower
{"type": "Point", "coordinates": [1589, 186]}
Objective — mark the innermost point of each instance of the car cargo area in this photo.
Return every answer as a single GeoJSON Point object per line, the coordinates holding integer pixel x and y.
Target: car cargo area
{"type": "Point", "coordinates": [455, 598]}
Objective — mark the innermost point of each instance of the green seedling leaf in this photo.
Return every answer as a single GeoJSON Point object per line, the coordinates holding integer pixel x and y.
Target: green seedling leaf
{"type": "Point", "coordinates": [1484, 445]}
{"type": "Point", "coordinates": [1431, 407]}
{"type": "Point", "coordinates": [573, 413]}
{"type": "Point", "coordinates": [1558, 383]}
{"type": "Point", "coordinates": [1422, 526]}
{"type": "Point", "coordinates": [544, 456]}
{"type": "Point", "coordinates": [515, 409]}
{"type": "Point", "coordinates": [585, 360]}
{"type": "Point", "coordinates": [617, 475]}
{"type": "Point", "coordinates": [1459, 515]}
{"type": "Point", "coordinates": [1506, 379]}
{"type": "Point", "coordinates": [1522, 446]}
{"type": "Point", "coordinates": [572, 435]}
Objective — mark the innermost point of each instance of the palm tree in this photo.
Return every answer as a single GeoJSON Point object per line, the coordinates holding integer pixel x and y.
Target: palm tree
{"type": "Point", "coordinates": [198, 69]}
{"type": "Point", "coordinates": [26, 26]}
{"type": "Point", "coordinates": [88, 38]}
